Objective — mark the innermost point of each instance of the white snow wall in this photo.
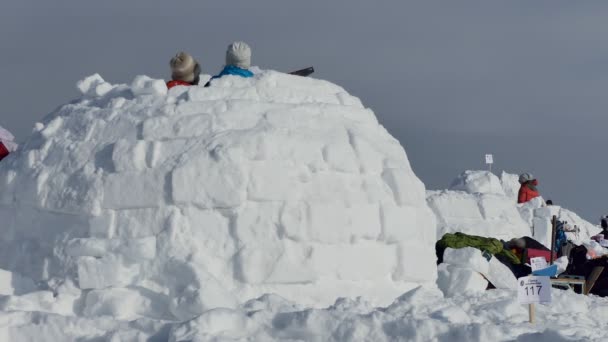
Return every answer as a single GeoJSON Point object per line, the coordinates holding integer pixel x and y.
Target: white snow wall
{"type": "Point", "coordinates": [206, 197]}
{"type": "Point", "coordinates": [480, 203]}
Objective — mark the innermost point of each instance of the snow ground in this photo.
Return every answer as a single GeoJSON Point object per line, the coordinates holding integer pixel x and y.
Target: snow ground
{"type": "Point", "coordinates": [245, 211]}
{"type": "Point", "coordinates": [418, 315]}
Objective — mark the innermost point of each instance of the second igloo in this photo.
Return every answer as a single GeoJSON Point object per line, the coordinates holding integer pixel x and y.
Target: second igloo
{"type": "Point", "coordinates": [197, 198]}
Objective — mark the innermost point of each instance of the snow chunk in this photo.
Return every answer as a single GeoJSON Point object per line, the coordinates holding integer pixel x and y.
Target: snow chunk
{"type": "Point", "coordinates": [144, 85]}
{"type": "Point", "coordinates": [467, 257]}
{"type": "Point", "coordinates": [478, 182]}
{"type": "Point", "coordinates": [453, 280]}
{"type": "Point", "coordinates": [94, 86]}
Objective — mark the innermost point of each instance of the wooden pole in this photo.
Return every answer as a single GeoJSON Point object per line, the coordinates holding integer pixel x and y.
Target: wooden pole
{"type": "Point", "coordinates": [532, 312]}
{"type": "Point", "coordinates": [553, 233]}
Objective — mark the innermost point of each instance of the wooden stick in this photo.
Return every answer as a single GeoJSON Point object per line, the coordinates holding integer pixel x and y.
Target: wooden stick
{"type": "Point", "coordinates": [532, 312]}
{"type": "Point", "coordinates": [595, 274]}
{"type": "Point", "coordinates": [553, 233]}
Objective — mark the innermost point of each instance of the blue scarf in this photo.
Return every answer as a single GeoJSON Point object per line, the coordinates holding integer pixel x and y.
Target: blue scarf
{"type": "Point", "coordinates": [234, 70]}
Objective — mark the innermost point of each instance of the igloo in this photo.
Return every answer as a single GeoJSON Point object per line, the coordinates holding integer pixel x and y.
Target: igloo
{"type": "Point", "coordinates": [195, 198]}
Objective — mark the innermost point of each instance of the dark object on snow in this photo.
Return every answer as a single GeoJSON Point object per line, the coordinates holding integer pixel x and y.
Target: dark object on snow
{"type": "Point", "coordinates": [487, 245]}
{"type": "Point", "coordinates": [525, 242]}
{"type": "Point", "coordinates": [604, 224]}
{"type": "Point", "coordinates": [549, 202]}
{"type": "Point", "coordinates": [303, 72]}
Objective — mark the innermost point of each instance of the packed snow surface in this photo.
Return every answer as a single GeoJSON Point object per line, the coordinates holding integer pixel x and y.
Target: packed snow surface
{"type": "Point", "coordinates": [245, 211]}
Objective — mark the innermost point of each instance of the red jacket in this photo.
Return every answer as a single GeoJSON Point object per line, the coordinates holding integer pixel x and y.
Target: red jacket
{"type": "Point", "coordinates": [526, 194]}
{"type": "Point", "coordinates": [3, 151]}
{"type": "Point", "coordinates": [174, 83]}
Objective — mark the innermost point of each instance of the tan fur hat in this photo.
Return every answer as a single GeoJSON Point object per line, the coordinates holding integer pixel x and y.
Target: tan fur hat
{"type": "Point", "coordinates": [183, 67]}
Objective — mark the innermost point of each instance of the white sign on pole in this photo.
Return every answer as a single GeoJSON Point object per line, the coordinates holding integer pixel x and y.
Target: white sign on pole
{"type": "Point", "coordinates": [533, 289]}
{"type": "Point", "coordinates": [538, 263]}
{"type": "Point", "coordinates": [489, 159]}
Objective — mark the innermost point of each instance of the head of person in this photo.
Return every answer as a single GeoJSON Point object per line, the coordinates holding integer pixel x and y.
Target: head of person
{"type": "Point", "coordinates": [549, 202]}
{"type": "Point", "coordinates": [238, 54]}
{"type": "Point", "coordinates": [185, 68]}
{"type": "Point", "coordinates": [525, 178]}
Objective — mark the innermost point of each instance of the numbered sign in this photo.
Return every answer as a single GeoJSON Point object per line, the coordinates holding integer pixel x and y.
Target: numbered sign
{"type": "Point", "coordinates": [534, 289]}
{"type": "Point", "coordinates": [489, 159]}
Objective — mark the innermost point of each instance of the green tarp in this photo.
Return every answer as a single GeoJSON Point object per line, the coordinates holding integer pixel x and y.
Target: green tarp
{"type": "Point", "coordinates": [488, 245]}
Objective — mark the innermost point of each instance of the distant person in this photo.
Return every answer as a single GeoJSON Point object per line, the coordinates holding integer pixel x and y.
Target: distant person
{"type": "Point", "coordinates": [7, 143]}
{"type": "Point", "coordinates": [238, 61]}
{"type": "Point", "coordinates": [527, 190]}
{"type": "Point", "coordinates": [185, 71]}
{"type": "Point", "coordinates": [549, 202]}
{"type": "Point", "coordinates": [604, 224]}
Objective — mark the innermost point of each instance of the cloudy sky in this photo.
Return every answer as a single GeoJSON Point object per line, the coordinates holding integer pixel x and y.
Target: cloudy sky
{"type": "Point", "coordinates": [452, 80]}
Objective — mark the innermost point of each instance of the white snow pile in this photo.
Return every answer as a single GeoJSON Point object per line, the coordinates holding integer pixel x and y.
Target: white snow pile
{"type": "Point", "coordinates": [133, 201]}
{"type": "Point", "coordinates": [479, 203]}
{"type": "Point", "coordinates": [466, 270]}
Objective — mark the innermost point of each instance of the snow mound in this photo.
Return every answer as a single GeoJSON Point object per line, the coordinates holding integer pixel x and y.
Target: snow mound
{"type": "Point", "coordinates": [479, 203]}
{"type": "Point", "coordinates": [166, 204]}
{"type": "Point", "coordinates": [478, 182]}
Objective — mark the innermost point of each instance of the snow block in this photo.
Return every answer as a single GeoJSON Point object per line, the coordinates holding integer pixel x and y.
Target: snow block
{"type": "Point", "coordinates": [209, 183]}
{"type": "Point", "coordinates": [478, 182]}
{"type": "Point", "coordinates": [94, 86]}
{"type": "Point", "coordinates": [466, 257]}
{"type": "Point", "coordinates": [500, 275]}
{"type": "Point", "coordinates": [14, 284]}
{"type": "Point", "coordinates": [174, 127]}
{"type": "Point", "coordinates": [455, 281]}
{"type": "Point", "coordinates": [415, 261]}
{"type": "Point", "coordinates": [95, 273]}
{"type": "Point", "coordinates": [130, 156]}
{"type": "Point", "coordinates": [131, 190]}
{"type": "Point", "coordinates": [144, 85]}
{"type": "Point", "coordinates": [407, 190]}
{"type": "Point", "coordinates": [133, 249]}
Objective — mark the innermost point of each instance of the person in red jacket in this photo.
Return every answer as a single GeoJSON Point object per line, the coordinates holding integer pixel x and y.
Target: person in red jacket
{"type": "Point", "coordinates": [7, 143]}
{"type": "Point", "coordinates": [185, 71]}
{"type": "Point", "coordinates": [527, 190]}
{"type": "Point", "coordinates": [3, 151]}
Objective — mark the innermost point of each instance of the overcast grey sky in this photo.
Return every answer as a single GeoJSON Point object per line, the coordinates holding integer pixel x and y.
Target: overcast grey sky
{"type": "Point", "coordinates": [452, 80]}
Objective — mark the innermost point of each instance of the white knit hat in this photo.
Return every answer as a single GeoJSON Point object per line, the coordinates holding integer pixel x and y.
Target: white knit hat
{"type": "Point", "coordinates": [239, 55]}
{"type": "Point", "coordinates": [183, 67]}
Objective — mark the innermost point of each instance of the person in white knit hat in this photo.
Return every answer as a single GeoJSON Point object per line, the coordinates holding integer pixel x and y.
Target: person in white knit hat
{"type": "Point", "coordinates": [7, 143]}
{"type": "Point", "coordinates": [185, 70]}
{"type": "Point", "coordinates": [238, 61]}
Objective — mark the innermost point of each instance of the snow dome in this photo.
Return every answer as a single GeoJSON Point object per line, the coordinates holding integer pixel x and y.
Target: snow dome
{"type": "Point", "coordinates": [196, 198]}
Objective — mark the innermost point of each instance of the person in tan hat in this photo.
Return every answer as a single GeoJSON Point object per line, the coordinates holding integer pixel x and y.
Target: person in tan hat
{"type": "Point", "coordinates": [185, 70]}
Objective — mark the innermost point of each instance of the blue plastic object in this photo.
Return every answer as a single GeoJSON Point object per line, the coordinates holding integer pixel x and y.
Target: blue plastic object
{"type": "Point", "coordinates": [550, 271]}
